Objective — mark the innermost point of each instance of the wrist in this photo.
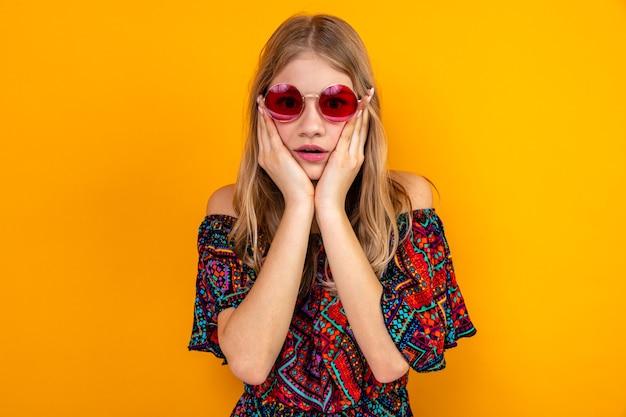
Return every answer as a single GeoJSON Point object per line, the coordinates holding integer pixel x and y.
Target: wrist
{"type": "Point", "coordinates": [331, 215]}
{"type": "Point", "coordinates": [301, 207]}
{"type": "Point", "coordinates": [331, 206]}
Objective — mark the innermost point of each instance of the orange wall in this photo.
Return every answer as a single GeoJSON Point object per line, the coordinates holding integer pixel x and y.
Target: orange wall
{"type": "Point", "coordinates": [118, 119]}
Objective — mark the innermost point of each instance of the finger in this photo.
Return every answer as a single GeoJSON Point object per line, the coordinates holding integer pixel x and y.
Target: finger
{"type": "Point", "coordinates": [261, 129]}
{"type": "Point", "coordinates": [365, 127]}
{"type": "Point", "coordinates": [354, 137]}
{"type": "Point", "coordinates": [343, 144]}
{"type": "Point", "coordinates": [359, 137]}
{"type": "Point", "coordinates": [274, 139]}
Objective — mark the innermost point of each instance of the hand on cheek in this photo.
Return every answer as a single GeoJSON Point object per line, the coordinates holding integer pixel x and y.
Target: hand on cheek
{"type": "Point", "coordinates": [278, 162]}
{"type": "Point", "coordinates": [344, 162]}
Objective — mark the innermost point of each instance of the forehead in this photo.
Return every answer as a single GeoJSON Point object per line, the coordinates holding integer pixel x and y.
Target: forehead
{"type": "Point", "coordinates": [311, 73]}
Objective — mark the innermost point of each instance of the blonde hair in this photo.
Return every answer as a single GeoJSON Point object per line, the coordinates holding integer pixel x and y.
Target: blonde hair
{"type": "Point", "coordinates": [374, 199]}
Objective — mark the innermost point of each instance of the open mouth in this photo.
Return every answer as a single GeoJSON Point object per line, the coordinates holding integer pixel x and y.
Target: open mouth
{"type": "Point", "coordinates": [310, 149]}
{"type": "Point", "coordinates": [312, 153]}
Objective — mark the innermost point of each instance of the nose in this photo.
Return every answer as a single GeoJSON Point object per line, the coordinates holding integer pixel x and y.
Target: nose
{"type": "Point", "coordinates": [311, 121]}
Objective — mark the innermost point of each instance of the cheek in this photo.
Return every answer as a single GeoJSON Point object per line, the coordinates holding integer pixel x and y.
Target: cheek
{"type": "Point", "coordinates": [284, 131]}
{"type": "Point", "coordinates": [335, 132]}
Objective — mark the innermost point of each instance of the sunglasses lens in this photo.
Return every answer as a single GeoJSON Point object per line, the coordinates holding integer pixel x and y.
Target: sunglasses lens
{"type": "Point", "coordinates": [284, 102]}
{"type": "Point", "coordinates": [338, 103]}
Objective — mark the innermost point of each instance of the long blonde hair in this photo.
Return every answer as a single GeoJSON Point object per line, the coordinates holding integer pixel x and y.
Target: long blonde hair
{"type": "Point", "coordinates": [374, 199]}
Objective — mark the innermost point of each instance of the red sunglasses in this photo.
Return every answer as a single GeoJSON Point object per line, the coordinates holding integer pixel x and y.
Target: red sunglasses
{"type": "Point", "coordinates": [285, 103]}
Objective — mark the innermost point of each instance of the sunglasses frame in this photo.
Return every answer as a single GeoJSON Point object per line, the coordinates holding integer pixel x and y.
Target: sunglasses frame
{"type": "Point", "coordinates": [317, 96]}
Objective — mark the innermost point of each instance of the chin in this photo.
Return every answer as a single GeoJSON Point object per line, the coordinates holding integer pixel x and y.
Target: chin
{"type": "Point", "coordinates": [314, 176]}
{"type": "Point", "coordinates": [314, 173]}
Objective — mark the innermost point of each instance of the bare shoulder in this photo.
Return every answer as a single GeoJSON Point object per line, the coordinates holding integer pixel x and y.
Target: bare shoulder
{"type": "Point", "coordinates": [417, 187]}
{"type": "Point", "coordinates": [221, 201]}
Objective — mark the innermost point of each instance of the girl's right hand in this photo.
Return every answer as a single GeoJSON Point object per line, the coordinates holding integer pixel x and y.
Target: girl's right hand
{"type": "Point", "coordinates": [280, 165]}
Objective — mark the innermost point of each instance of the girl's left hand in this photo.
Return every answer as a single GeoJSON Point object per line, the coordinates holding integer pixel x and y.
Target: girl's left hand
{"type": "Point", "coordinates": [344, 162]}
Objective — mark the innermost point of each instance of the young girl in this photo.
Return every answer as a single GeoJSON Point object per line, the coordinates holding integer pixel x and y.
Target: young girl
{"type": "Point", "coordinates": [323, 277]}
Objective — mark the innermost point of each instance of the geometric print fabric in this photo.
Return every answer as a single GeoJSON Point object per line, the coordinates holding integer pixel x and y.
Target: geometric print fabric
{"type": "Point", "coordinates": [320, 370]}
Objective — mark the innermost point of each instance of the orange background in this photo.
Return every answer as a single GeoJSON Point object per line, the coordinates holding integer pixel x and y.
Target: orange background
{"type": "Point", "coordinates": [118, 119]}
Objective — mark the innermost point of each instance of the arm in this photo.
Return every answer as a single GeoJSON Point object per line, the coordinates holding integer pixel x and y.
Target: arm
{"type": "Point", "coordinates": [358, 287]}
{"type": "Point", "coordinates": [251, 336]}
{"type": "Point", "coordinates": [360, 293]}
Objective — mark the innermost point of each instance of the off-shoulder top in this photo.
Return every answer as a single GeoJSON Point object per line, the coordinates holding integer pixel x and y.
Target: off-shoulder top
{"type": "Point", "coordinates": [320, 370]}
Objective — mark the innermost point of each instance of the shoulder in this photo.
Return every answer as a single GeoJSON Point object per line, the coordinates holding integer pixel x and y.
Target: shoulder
{"type": "Point", "coordinates": [221, 201]}
{"type": "Point", "coordinates": [418, 188]}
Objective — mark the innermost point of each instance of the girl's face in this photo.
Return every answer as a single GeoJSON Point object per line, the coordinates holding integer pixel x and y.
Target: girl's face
{"type": "Point", "coordinates": [310, 138]}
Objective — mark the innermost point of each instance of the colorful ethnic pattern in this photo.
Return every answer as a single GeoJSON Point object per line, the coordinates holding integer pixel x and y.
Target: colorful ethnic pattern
{"type": "Point", "coordinates": [321, 370]}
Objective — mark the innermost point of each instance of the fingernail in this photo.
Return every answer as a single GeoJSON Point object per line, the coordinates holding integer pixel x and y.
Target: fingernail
{"type": "Point", "coordinates": [358, 114]}
{"type": "Point", "coordinates": [260, 109]}
{"type": "Point", "coordinates": [258, 100]}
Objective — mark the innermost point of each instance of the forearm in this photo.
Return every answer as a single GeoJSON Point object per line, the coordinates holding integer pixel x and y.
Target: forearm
{"type": "Point", "coordinates": [252, 335]}
{"type": "Point", "coordinates": [360, 292]}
